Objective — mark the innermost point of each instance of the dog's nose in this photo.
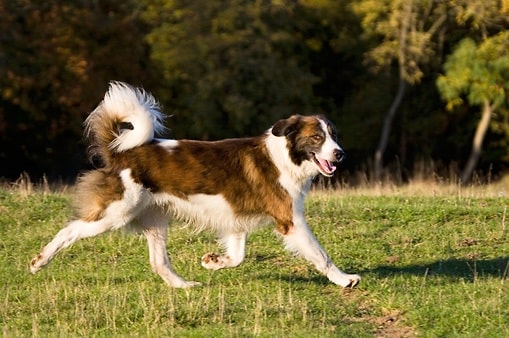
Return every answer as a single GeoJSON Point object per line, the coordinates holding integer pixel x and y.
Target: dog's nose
{"type": "Point", "coordinates": [339, 154]}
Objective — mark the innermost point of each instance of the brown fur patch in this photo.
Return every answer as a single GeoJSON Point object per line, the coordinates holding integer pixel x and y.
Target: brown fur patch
{"type": "Point", "coordinates": [95, 191]}
{"type": "Point", "coordinates": [238, 169]}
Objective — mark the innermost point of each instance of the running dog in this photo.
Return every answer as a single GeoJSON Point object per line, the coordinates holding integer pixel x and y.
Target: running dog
{"type": "Point", "coordinates": [230, 186]}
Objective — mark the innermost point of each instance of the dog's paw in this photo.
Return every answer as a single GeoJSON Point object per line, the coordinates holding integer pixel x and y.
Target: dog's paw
{"type": "Point", "coordinates": [345, 280]}
{"type": "Point", "coordinates": [186, 284]}
{"type": "Point", "coordinates": [36, 264]}
{"type": "Point", "coordinates": [213, 261]}
{"type": "Point", "coordinates": [354, 281]}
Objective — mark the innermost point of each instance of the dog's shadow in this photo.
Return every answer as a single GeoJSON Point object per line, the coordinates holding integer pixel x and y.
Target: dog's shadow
{"type": "Point", "coordinates": [465, 270]}
{"type": "Point", "coordinates": [454, 268]}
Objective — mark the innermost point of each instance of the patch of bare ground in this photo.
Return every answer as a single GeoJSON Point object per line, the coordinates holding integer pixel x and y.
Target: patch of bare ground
{"type": "Point", "coordinates": [390, 324]}
{"type": "Point", "coordinates": [387, 325]}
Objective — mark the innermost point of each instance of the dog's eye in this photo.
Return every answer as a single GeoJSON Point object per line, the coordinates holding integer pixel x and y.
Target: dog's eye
{"type": "Point", "coordinates": [317, 138]}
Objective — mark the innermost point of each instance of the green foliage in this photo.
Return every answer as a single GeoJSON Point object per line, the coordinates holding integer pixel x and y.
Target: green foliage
{"type": "Point", "coordinates": [407, 30]}
{"type": "Point", "coordinates": [232, 66]}
{"type": "Point", "coordinates": [56, 59]}
{"type": "Point", "coordinates": [480, 15]}
{"type": "Point", "coordinates": [477, 72]}
{"type": "Point", "coordinates": [431, 266]}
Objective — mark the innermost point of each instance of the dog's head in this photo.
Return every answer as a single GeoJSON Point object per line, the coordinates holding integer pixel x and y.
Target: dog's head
{"type": "Point", "coordinates": [313, 139]}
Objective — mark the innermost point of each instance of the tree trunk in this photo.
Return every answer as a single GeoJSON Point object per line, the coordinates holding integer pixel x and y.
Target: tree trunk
{"type": "Point", "coordinates": [480, 132]}
{"type": "Point", "coordinates": [386, 129]}
{"type": "Point", "coordinates": [389, 117]}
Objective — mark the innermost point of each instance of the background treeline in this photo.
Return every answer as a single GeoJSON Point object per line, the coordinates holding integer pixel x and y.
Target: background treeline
{"type": "Point", "coordinates": [406, 81]}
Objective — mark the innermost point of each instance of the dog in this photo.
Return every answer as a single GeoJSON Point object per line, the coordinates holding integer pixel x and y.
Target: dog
{"type": "Point", "coordinates": [229, 186]}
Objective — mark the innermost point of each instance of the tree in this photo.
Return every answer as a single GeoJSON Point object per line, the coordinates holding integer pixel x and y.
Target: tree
{"type": "Point", "coordinates": [231, 66]}
{"type": "Point", "coordinates": [56, 59]}
{"type": "Point", "coordinates": [406, 29]}
{"type": "Point", "coordinates": [478, 73]}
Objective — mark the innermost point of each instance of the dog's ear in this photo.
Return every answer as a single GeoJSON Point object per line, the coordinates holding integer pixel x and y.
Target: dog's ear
{"type": "Point", "coordinates": [285, 127]}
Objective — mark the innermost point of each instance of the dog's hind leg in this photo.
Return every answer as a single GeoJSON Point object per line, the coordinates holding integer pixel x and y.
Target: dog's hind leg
{"type": "Point", "coordinates": [118, 214]}
{"type": "Point", "coordinates": [74, 231]}
{"type": "Point", "coordinates": [235, 247]}
{"type": "Point", "coordinates": [155, 227]}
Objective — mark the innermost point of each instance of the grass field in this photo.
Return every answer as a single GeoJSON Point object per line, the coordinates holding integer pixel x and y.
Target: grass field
{"type": "Point", "coordinates": [433, 265]}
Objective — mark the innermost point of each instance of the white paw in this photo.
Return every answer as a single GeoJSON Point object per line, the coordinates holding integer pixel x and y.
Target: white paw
{"type": "Point", "coordinates": [343, 279]}
{"type": "Point", "coordinates": [36, 264]}
{"type": "Point", "coordinates": [354, 280]}
{"type": "Point", "coordinates": [213, 261]}
{"type": "Point", "coordinates": [186, 284]}
{"type": "Point", "coordinates": [179, 283]}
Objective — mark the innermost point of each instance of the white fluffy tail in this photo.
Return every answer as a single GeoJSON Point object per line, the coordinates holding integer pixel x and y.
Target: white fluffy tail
{"type": "Point", "coordinates": [128, 117]}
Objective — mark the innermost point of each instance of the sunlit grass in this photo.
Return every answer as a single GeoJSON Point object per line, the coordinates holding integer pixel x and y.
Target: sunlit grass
{"type": "Point", "coordinates": [434, 262]}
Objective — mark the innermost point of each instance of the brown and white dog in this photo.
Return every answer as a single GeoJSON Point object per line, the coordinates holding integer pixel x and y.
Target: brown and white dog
{"type": "Point", "coordinates": [230, 186]}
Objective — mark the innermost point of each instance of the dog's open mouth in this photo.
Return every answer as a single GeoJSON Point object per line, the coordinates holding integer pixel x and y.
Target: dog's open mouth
{"type": "Point", "coordinates": [326, 167]}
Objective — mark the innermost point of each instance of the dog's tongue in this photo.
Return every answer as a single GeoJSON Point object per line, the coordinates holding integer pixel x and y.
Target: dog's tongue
{"type": "Point", "coordinates": [326, 166]}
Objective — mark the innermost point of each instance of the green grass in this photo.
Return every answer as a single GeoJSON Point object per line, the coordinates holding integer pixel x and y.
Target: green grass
{"type": "Point", "coordinates": [433, 266]}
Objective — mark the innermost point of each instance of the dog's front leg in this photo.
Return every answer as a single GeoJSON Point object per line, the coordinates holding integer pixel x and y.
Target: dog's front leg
{"type": "Point", "coordinates": [299, 239]}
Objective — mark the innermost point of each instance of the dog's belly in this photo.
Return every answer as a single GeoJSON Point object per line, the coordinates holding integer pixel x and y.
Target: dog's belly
{"type": "Point", "coordinates": [210, 212]}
